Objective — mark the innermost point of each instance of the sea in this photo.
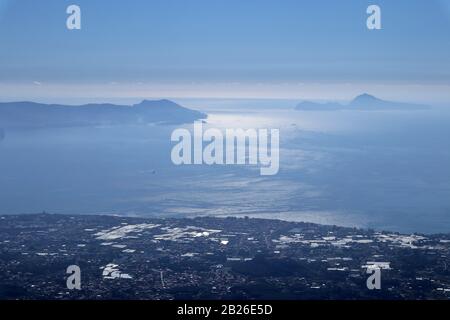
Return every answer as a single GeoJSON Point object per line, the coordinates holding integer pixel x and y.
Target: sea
{"type": "Point", "coordinates": [385, 170]}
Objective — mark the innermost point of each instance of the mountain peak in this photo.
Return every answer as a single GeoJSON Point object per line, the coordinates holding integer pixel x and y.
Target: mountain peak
{"type": "Point", "coordinates": [365, 97]}
{"type": "Point", "coordinates": [164, 103]}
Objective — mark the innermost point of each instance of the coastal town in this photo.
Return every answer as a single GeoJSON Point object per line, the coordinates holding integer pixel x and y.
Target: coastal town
{"type": "Point", "coordinates": [214, 258]}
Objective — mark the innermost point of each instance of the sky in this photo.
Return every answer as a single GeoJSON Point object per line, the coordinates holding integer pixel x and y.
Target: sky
{"type": "Point", "coordinates": [230, 48]}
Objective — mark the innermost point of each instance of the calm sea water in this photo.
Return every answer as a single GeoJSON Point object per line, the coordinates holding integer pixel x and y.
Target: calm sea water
{"type": "Point", "coordinates": [384, 170]}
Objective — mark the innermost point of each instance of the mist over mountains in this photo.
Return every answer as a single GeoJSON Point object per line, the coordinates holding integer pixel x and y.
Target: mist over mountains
{"type": "Point", "coordinates": [362, 102]}
{"type": "Point", "coordinates": [31, 114]}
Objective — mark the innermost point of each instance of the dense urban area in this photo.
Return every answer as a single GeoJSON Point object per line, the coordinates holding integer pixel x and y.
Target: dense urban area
{"type": "Point", "coordinates": [214, 258]}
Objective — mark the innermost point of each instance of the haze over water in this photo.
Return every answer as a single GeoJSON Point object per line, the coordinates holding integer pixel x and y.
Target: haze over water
{"type": "Point", "coordinates": [381, 169]}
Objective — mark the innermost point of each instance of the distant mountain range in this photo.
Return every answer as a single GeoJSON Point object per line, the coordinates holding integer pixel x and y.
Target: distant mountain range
{"type": "Point", "coordinates": [361, 102]}
{"type": "Point", "coordinates": [31, 114]}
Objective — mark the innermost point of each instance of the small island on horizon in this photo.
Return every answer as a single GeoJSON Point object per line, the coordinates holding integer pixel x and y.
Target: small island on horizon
{"type": "Point", "coordinates": [364, 101]}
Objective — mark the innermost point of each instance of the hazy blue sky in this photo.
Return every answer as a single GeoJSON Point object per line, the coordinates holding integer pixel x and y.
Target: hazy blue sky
{"type": "Point", "coordinates": [236, 48]}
